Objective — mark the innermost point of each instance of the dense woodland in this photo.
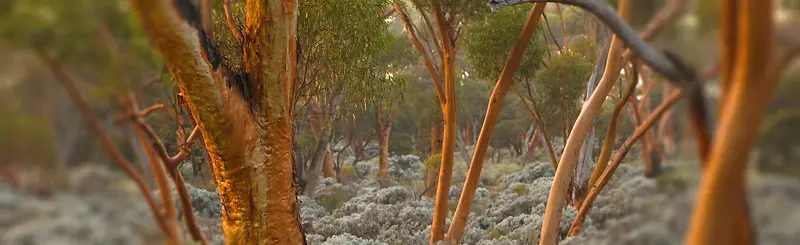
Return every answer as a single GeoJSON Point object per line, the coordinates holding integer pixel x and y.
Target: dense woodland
{"type": "Point", "coordinates": [400, 122]}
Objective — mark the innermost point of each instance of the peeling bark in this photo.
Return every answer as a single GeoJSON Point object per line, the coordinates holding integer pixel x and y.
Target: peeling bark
{"type": "Point", "coordinates": [249, 141]}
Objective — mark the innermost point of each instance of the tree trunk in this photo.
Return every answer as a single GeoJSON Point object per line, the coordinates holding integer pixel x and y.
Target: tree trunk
{"type": "Point", "coordinates": [492, 113]}
{"type": "Point", "coordinates": [583, 168]}
{"type": "Point", "coordinates": [533, 143]}
{"type": "Point", "coordinates": [328, 170]}
{"type": "Point", "coordinates": [358, 147]}
{"type": "Point", "coordinates": [249, 140]}
{"type": "Point", "coordinates": [611, 135]}
{"type": "Point", "coordinates": [441, 207]}
{"type": "Point", "coordinates": [468, 138]}
{"type": "Point", "coordinates": [557, 196]}
{"type": "Point", "coordinates": [384, 129]}
{"type": "Point", "coordinates": [383, 145]}
{"type": "Point", "coordinates": [749, 82]}
{"type": "Point", "coordinates": [315, 169]}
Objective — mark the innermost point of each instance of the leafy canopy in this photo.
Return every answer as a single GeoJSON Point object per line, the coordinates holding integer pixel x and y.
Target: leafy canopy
{"type": "Point", "coordinates": [563, 83]}
{"type": "Point", "coordinates": [488, 41]}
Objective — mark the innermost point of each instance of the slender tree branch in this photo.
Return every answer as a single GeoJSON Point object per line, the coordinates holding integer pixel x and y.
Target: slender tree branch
{"type": "Point", "coordinates": [542, 127]}
{"type": "Point", "coordinates": [563, 27]}
{"type": "Point", "coordinates": [550, 30]}
{"type": "Point", "coordinates": [143, 113]}
{"type": "Point", "coordinates": [106, 143]}
{"type": "Point", "coordinates": [659, 61]}
{"type": "Point", "coordinates": [621, 153]}
{"type": "Point", "coordinates": [412, 34]}
{"type": "Point", "coordinates": [229, 18]}
{"type": "Point", "coordinates": [168, 162]}
{"type": "Point", "coordinates": [435, 37]}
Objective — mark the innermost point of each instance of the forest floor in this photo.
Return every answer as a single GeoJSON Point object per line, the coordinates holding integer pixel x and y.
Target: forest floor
{"type": "Point", "coordinates": [103, 207]}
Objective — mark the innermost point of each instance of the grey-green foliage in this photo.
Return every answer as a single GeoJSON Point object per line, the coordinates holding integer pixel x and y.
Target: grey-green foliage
{"type": "Point", "coordinates": [98, 38]}
{"type": "Point", "coordinates": [340, 41]}
{"type": "Point", "coordinates": [489, 40]}
{"type": "Point", "coordinates": [457, 10]}
{"type": "Point", "coordinates": [562, 84]}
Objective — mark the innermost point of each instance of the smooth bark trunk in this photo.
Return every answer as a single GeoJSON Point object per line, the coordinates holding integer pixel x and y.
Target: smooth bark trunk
{"type": "Point", "coordinates": [492, 113]}
{"type": "Point", "coordinates": [754, 62]}
{"type": "Point", "coordinates": [558, 191]}
{"type": "Point", "coordinates": [583, 168]}
{"type": "Point", "coordinates": [384, 128]}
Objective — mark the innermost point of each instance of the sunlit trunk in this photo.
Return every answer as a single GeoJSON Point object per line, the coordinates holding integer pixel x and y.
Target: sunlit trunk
{"type": "Point", "coordinates": [328, 170]}
{"type": "Point", "coordinates": [583, 168]}
{"type": "Point", "coordinates": [249, 141]}
{"type": "Point", "coordinates": [566, 165]}
{"type": "Point", "coordinates": [492, 113]}
{"type": "Point", "coordinates": [384, 129]}
{"type": "Point", "coordinates": [751, 63]}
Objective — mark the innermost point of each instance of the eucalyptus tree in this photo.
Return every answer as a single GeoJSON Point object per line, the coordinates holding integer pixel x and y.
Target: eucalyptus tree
{"type": "Point", "coordinates": [340, 42]}
{"type": "Point", "coordinates": [505, 78]}
{"type": "Point", "coordinates": [239, 86]}
{"type": "Point", "coordinates": [439, 53]}
{"type": "Point", "coordinates": [392, 67]}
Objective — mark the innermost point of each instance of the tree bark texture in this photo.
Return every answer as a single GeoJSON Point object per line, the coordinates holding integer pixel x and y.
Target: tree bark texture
{"type": "Point", "coordinates": [583, 168]}
{"type": "Point", "coordinates": [249, 140]}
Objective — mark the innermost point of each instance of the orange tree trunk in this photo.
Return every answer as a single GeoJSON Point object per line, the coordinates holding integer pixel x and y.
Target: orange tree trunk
{"type": "Point", "coordinates": [493, 110]}
{"type": "Point", "coordinates": [751, 73]}
{"type": "Point", "coordinates": [441, 206]}
{"type": "Point", "coordinates": [249, 141]}
{"type": "Point", "coordinates": [328, 170]}
{"type": "Point", "coordinates": [566, 165]}
{"type": "Point", "coordinates": [384, 131]}
{"type": "Point", "coordinates": [533, 143]}
{"type": "Point", "coordinates": [644, 144]}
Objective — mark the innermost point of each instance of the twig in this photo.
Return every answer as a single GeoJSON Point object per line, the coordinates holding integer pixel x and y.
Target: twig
{"type": "Point", "coordinates": [165, 164]}
{"type": "Point", "coordinates": [143, 113]}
